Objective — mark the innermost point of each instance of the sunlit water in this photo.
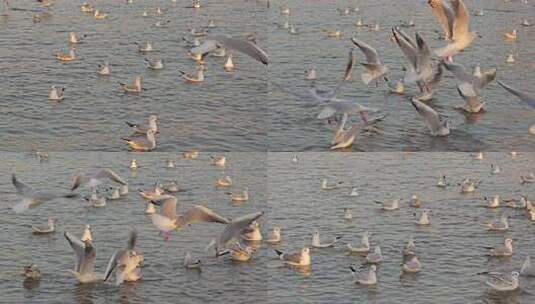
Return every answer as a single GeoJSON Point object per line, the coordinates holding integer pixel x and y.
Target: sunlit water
{"type": "Point", "coordinates": [293, 123]}
{"type": "Point", "coordinates": [224, 113]}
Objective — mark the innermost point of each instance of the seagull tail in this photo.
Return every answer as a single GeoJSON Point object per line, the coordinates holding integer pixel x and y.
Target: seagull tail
{"type": "Point", "coordinates": [279, 253]}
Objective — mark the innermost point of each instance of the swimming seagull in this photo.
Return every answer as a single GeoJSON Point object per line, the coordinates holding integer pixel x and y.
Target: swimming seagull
{"type": "Point", "coordinates": [191, 263]}
{"type": "Point", "coordinates": [96, 200]}
{"type": "Point", "coordinates": [375, 257]}
{"type": "Point", "coordinates": [469, 185]}
{"type": "Point", "coordinates": [527, 179]}
{"type": "Point", "coordinates": [239, 197]}
{"type": "Point", "coordinates": [229, 64]}
{"type": "Point", "coordinates": [373, 65]}
{"type": "Point", "coordinates": [389, 206]}
{"type": "Point", "coordinates": [99, 16]}
{"type": "Point", "coordinates": [434, 123]}
{"type": "Point", "coordinates": [369, 279]}
{"type": "Point", "coordinates": [168, 220]}
{"type": "Point", "coordinates": [104, 69]}
{"type": "Point", "coordinates": [316, 242]}
{"type": "Point", "coordinates": [93, 180]}
{"type": "Point", "coordinates": [423, 220]}
{"type": "Point", "coordinates": [142, 130]}
{"type": "Point", "coordinates": [347, 214]}
{"type": "Point", "coordinates": [354, 192]}
{"type": "Point", "coordinates": [527, 269]}
{"type": "Point", "coordinates": [73, 39]}
{"type": "Point", "coordinates": [494, 202]}
{"type": "Point", "coordinates": [363, 247]}
{"type": "Point", "coordinates": [297, 259]}
{"type": "Point", "coordinates": [223, 182]}
{"type": "Point", "coordinates": [127, 261]}
{"type": "Point", "coordinates": [410, 248]}
{"type": "Point", "coordinates": [442, 182]}
{"type": "Point", "coordinates": [275, 237]}
{"type": "Point", "coordinates": [32, 198]}
{"type": "Point", "coordinates": [345, 138]}
{"type": "Point", "coordinates": [56, 93]}
{"type": "Point", "coordinates": [31, 272]}
{"type": "Point", "coordinates": [252, 233]}
{"type": "Point", "coordinates": [412, 266]}
{"type": "Point", "coordinates": [71, 56]}
{"type": "Point", "coordinates": [50, 228]}
{"type": "Point", "coordinates": [494, 169]}
{"type": "Point", "coordinates": [85, 260]}
{"type": "Point", "coordinates": [154, 64]}
{"type": "Point", "coordinates": [195, 77]}
{"type": "Point", "coordinates": [311, 74]}
{"type": "Point", "coordinates": [456, 23]}
{"type": "Point", "coordinates": [144, 48]}
{"type": "Point", "coordinates": [326, 186]}
{"type": "Point", "coordinates": [502, 250]}
{"type": "Point", "coordinates": [142, 144]}
{"type": "Point", "coordinates": [134, 88]}
{"type": "Point", "coordinates": [244, 46]}
{"type": "Point", "coordinates": [415, 201]}
{"type": "Point", "coordinates": [501, 225]}
{"type": "Point", "coordinates": [503, 282]}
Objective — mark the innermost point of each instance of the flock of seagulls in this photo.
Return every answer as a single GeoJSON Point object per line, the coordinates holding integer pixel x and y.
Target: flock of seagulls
{"type": "Point", "coordinates": [204, 46]}
{"type": "Point", "coordinates": [410, 255]}
{"type": "Point", "coordinates": [425, 68]}
{"type": "Point", "coordinates": [237, 238]}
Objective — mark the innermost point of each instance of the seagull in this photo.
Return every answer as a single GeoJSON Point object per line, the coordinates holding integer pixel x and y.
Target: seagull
{"type": "Point", "coordinates": [412, 266]}
{"type": "Point", "coordinates": [144, 48]}
{"type": "Point", "coordinates": [345, 138]}
{"type": "Point", "coordinates": [326, 186]}
{"type": "Point", "coordinates": [86, 235]}
{"type": "Point", "coordinates": [503, 282]}
{"type": "Point", "coordinates": [104, 69]}
{"type": "Point", "coordinates": [522, 96]}
{"type": "Point", "coordinates": [354, 192]}
{"type": "Point", "coordinates": [115, 194]}
{"type": "Point", "coordinates": [375, 257]}
{"type": "Point", "coordinates": [419, 56]}
{"type": "Point", "coordinates": [389, 206]}
{"type": "Point", "coordinates": [510, 58]}
{"type": "Point", "coordinates": [96, 179]}
{"type": "Point", "coordinates": [502, 250]}
{"type": "Point", "coordinates": [373, 65]}
{"type": "Point", "coordinates": [434, 123]}
{"type": "Point", "coordinates": [423, 220]}
{"type": "Point", "coordinates": [134, 88]}
{"type": "Point", "coordinates": [468, 185]}
{"type": "Point", "coordinates": [527, 269]}
{"type": "Point", "coordinates": [233, 231]}
{"type": "Point", "coordinates": [347, 214]}
{"type": "Point", "coordinates": [252, 233]}
{"type": "Point", "coordinates": [369, 279]}
{"type": "Point", "coordinates": [316, 243]}
{"type": "Point", "coordinates": [50, 228]}
{"type": "Point", "coordinates": [494, 202]}
{"type": "Point", "coordinates": [240, 253]}
{"type": "Point", "coordinates": [395, 86]}
{"type": "Point", "coordinates": [275, 237]}
{"type": "Point", "coordinates": [472, 105]}
{"type": "Point", "coordinates": [142, 144]}
{"type": "Point", "coordinates": [229, 64]}
{"type": "Point", "coordinates": [133, 164]}
{"type": "Point", "coordinates": [96, 200]}
{"type": "Point", "coordinates": [99, 16]}
{"type": "Point", "coordinates": [239, 197]}
{"type": "Point", "coordinates": [297, 259]}
{"type": "Point", "coordinates": [494, 169]}
{"type": "Point", "coordinates": [73, 39]}
{"type": "Point", "coordinates": [56, 93]}
{"type": "Point", "coordinates": [415, 201]}
{"type": "Point", "coordinates": [151, 209]}
{"type": "Point", "coordinates": [32, 198]}
{"type": "Point", "coordinates": [127, 261]}
{"type": "Point", "coordinates": [244, 46]}
{"type": "Point", "coordinates": [85, 260]}
{"type": "Point", "coordinates": [31, 272]}
{"type": "Point", "coordinates": [219, 161]}
{"type": "Point", "coordinates": [470, 84]}
{"type": "Point", "coordinates": [501, 225]}
{"type": "Point", "coordinates": [527, 179]}
{"type": "Point", "coordinates": [410, 248]}
{"type": "Point", "coordinates": [456, 23]}
{"type": "Point", "coordinates": [196, 77]}
{"type": "Point", "coordinates": [86, 8]}
{"type": "Point", "coordinates": [363, 247]}
{"type": "Point", "coordinates": [142, 130]}
{"type": "Point", "coordinates": [154, 65]}
{"type": "Point", "coordinates": [346, 108]}
{"type": "Point", "coordinates": [442, 183]}
{"type": "Point", "coordinates": [510, 36]}
{"type": "Point", "coordinates": [311, 74]}
{"type": "Point", "coordinates": [71, 56]}
{"type": "Point", "coordinates": [190, 154]}
{"type": "Point", "coordinates": [168, 220]}
{"type": "Point", "coordinates": [224, 182]}
{"type": "Point", "coordinates": [191, 263]}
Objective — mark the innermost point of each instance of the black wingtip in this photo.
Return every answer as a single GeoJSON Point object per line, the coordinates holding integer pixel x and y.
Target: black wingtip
{"type": "Point", "coordinates": [279, 253]}
{"type": "Point", "coordinates": [352, 268]}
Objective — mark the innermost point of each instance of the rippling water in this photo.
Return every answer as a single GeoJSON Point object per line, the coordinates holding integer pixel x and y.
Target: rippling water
{"type": "Point", "coordinates": [451, 250]}
{"type": "Point", "coordinates": [165, 281]}
{"type": "Point", "coordinates": [225, 113]}
{"type": "Point", "coordinates": [293, 123]}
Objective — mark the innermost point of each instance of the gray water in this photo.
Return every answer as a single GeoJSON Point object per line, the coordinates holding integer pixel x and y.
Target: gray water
{"type": "Point", "coordinates": [452, 250]}
{"type": "Point", "coordinates": [165, 280]}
